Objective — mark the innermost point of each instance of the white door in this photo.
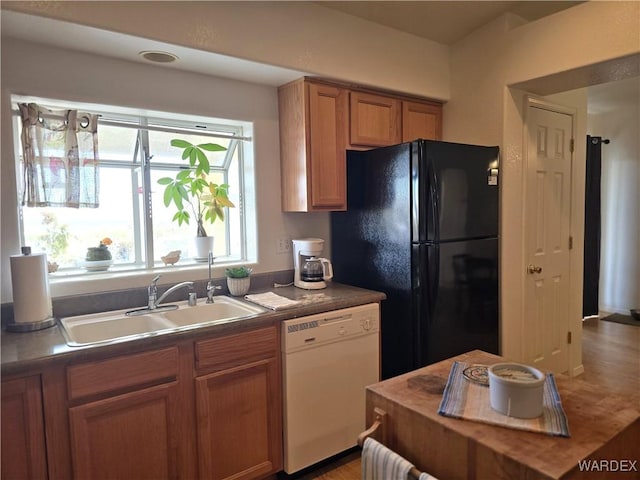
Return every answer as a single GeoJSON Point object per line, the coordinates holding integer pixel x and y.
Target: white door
{"type": "Point", "coordinates": [547, 223]}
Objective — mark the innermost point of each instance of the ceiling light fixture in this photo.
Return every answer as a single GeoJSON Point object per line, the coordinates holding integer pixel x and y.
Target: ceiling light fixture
{"type": "Point", "coordinates": [157, 56]}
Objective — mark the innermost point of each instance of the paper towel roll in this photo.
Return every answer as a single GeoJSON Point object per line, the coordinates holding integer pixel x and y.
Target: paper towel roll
{"type": "Point", "coordinates": [30, 281]}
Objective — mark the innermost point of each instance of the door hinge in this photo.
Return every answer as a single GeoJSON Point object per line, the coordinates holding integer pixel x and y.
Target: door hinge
{"type": "Point", "coordinates": [572, 145]}
{"type": "Point", "coordinates": [570, 243]}
{"type": "Point", "coordinates": [569, 338]}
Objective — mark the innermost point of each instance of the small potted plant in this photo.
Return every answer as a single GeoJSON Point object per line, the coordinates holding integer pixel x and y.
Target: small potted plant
{"type": "Point", "coordinates": [238, 280]}
{"type": "Point", "coordinates": [194, 196]}
{"type": "Point", "coordinates": [99, 258]}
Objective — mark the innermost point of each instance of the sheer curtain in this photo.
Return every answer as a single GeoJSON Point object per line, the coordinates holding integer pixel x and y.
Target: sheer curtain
{"type": "Point", "coordinates": [60, 157]}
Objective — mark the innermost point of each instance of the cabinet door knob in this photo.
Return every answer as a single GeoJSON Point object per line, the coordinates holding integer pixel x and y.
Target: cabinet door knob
{"type": "Point", "coordinates": [534, 269]}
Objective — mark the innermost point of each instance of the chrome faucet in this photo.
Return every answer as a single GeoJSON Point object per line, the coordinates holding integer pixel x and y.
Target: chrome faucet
{"type": "Point", "coordinates": [154, 302]}
{"type": "Point", "coordinates": [211, 288]}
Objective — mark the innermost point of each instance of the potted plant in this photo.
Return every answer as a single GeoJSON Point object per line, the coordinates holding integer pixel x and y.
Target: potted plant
{"type": "Point", "coordinates": [194, 196]}
{"type": "Point", "coordinates": [99, 258]}
{"type": "Point", "coordinates": [238, 280]}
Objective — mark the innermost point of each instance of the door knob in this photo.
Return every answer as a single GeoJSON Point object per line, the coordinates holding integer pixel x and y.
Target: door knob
{"type": "Point", "coordinates": [534, 269]}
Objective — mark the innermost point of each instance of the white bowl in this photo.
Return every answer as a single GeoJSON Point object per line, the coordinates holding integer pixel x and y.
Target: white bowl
{"type": "Point", "coordinates": [97, 265]}
{"type": "Point", "coordinates": [516, 390]}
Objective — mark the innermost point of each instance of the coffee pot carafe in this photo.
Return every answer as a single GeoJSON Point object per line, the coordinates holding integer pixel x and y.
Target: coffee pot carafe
{"type": "Point", "coordinates": [310, 270]}
{"type": "Point", "coordinates": [316, 270]}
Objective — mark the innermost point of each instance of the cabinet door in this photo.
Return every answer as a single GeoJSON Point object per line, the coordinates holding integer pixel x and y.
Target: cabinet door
{"type": "Point", "coordinates": [133, 435]}
{"type": "Point", "coordinates": [239, 422]}
{"type": "Point", "coordinates": [421, 120]}
{"type": "Point", "coordinates": [375, 120]}
{"type": "Point", "coordinates": [327, 146]}
{"type": "Point", "coordinates": [23, 443]}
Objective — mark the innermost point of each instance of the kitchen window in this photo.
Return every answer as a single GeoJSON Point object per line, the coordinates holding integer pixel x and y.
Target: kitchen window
{"type": "Point", "coordinates": [134, 152]}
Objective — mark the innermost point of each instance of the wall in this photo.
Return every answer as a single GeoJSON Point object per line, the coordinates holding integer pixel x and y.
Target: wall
{"type": "Point", "coordinates": [614, 113]}
{"type": "Point", "coordinates": [326, 43]}
{"type": "Point", "coordinates": [40, 71]}
{"type": "Point", "coordinates": [489, 72]}
{"type": "Point", "coordinates": [297, 35]}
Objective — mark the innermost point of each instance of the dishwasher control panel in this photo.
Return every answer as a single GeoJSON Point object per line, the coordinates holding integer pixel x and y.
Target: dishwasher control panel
{"type": "Point", "coordinates": [330, 326]}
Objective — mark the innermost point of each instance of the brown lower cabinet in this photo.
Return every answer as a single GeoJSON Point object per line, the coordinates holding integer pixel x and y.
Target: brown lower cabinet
{"type": "Point", "coordinates": [133, 435]}
{"type": "Point", "coordinates": [239, 405]}
{"type": "Point", "coordinates": [23, 442]}
{"type": "Point", "coordinates": [208, 408]}
{"type": "Point", "coordinates": [238, 436]}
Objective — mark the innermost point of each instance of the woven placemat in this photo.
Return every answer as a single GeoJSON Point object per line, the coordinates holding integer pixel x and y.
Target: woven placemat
{"type": "Point", "coordinates": [470, 401]}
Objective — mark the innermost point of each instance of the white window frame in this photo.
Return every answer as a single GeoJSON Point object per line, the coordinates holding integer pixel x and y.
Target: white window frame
{"type": "Point", "coordinates": [144, 121]}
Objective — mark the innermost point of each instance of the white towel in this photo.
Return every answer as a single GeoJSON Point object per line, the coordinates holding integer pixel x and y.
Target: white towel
{"type": "Point", "coordinates": [426, 476]}
{"type": "Point", "coordinates": [272, 301]}
{"type": "Point", "coordinates": [378, 462]}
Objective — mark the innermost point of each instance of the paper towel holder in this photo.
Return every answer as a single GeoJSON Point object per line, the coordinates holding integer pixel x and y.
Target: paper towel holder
{"type": "Point", "coordinates": [31, 326]}
{"type": "Point", "coordinates": [14, 326]}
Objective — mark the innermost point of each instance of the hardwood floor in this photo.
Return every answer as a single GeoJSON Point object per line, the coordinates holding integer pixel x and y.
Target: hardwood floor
{"type": "Point", "coordinates": [611, 358]}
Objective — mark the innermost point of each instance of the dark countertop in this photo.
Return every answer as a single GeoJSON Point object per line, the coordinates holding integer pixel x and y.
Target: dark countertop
{"type": "Point", "coordinates": [32, 351]}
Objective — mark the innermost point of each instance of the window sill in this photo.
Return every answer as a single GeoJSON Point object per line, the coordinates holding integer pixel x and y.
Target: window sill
{"type": "Point", "coordinates": [63, 284]}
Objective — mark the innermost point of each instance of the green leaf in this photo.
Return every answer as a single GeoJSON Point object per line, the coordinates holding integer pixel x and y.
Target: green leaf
{"type": "Point", "coordinates": [165, 180]}
{"type": "Point", "coordinates": [183, 175]}
{"type": "Point", "coordinates": [177, 142]}
{"type": "Point", "coordinates": [212, 147]}
{"type": "Point", "coordinates": [168, 195]}
{"type": "Point", "coordinates": [238, 272]}
{"type": "Point", "coordinates": [201, 182]}
{"type": "Point", "coordinates": [181, 217]}
{"type": "Point", "coordinates": [203, 162]}
{"type": "Point", "coordinates": [182, 192]}
{"type": "Point", "coordinates": [179, 193]}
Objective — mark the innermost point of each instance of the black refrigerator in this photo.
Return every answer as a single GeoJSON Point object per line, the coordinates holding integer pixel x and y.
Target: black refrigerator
{"type": "Point", "coordinates": [421, 225]}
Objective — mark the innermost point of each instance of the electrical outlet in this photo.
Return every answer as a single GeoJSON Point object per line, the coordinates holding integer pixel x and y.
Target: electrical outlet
{"type": "Point", "coordinates": [283, 246]}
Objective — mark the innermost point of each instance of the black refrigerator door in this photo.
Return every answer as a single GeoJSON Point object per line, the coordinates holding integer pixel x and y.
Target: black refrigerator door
{"type": "Point", "coordinates": [457, 192]}
{"type": "Point", "coordinates": [371, 244]}
{"type": "Point", "coordinates": [457, 299]}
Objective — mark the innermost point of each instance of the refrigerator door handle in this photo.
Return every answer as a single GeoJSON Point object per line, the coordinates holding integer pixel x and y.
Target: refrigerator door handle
{"type": "Point", "coordinates": [434, 201]}
{"type": "Point", "coordinates": [434, 281]}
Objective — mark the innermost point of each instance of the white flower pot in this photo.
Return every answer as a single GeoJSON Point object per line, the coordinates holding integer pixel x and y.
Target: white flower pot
{"type": "Point", "coordinates": [238, 286]}
{"type": "Point", "coordinates": [203, 245]}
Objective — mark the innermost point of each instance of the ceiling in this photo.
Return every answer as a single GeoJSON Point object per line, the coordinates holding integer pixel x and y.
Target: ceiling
{"type": "Point", "coordinates": [444, 21]}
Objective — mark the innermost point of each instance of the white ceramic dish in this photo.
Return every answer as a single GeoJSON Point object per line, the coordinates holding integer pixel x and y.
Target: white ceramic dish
{"type": "Point", "coordinates": [98, 265]}
{"type": "Point", "coordinates": [516, 390]}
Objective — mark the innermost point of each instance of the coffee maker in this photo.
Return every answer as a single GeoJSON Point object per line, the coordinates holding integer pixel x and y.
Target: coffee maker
{"type": "Point", "coordinates": [311, 270]}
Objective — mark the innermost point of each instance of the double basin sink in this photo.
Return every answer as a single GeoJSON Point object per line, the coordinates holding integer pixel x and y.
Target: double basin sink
{"type": "Point", "coordinates": [117, 326]}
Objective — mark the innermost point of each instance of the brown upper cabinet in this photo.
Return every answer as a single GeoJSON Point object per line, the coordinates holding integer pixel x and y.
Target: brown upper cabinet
{"type": "Point", "coordinates": [421, 120]}
{"type": "Point", "coordinates": [374, 120]}
{"type": "Point", "coordinates": [312, 146]}
{"type": "Point", "coordinates": [320, 120]}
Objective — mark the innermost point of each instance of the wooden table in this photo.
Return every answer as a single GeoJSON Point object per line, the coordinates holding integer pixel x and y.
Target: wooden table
{"type": "Point", "coordinates": [603, 427]}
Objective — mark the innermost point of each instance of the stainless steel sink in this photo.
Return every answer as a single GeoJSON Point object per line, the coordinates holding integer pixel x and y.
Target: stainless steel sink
{"type": "Point", "coordinates": [115, 326]}
{"type": "Point", "coordinates": [223, 309]}
{"type": "Point", "coordinates": [111, 326]}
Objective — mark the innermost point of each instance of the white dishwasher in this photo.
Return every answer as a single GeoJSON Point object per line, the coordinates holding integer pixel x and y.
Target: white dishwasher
{"type": "Point", "coordinates": [327, 359]}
